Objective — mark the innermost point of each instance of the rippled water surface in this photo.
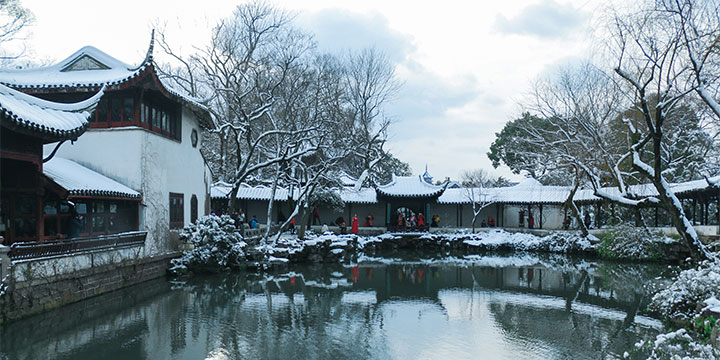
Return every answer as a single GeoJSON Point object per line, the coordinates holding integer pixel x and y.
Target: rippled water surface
{"type": "Point", "coordinates": [490, 307]}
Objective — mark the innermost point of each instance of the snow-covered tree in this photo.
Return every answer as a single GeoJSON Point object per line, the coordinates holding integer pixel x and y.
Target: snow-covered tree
{"type": "Point", "coordinates": [370, 83]}
{"type": "Point", "coordinates": [582, 126]}
{"type": "Point", "coordinates": [14, 21]}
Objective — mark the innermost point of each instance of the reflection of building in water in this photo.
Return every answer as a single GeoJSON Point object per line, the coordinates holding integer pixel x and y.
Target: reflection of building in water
{"type": "Point", "coordinates": [328, 312]}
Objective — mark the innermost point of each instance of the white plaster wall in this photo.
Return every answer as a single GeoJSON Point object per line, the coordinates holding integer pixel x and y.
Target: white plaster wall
{"type": "Point", "coordinates": [362, 210]}
{"type": "Point", "coordinates": [552, 215]}
{"type": "Point", "coordinates": [171, 166]}
{"type": "Point", "coordinates": [151, 164]}
{"type": "Point", "coordinates": [114, 153]}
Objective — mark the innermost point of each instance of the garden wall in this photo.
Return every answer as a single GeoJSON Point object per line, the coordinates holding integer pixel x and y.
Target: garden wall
{"type": "Point", "coordinates": [37, 285]}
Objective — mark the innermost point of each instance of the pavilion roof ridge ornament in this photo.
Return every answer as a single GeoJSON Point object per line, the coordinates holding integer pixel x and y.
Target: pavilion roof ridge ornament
{"type": "Point", "coordinates": [149, 56]}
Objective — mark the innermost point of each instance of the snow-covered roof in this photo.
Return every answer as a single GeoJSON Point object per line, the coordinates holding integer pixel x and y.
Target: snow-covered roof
{"type": "Point", "coordinates": [347, 180]}
{"type": "Point", "coordinates": [79, 180]}
{"type": "Point", "coordinates": [222, 190]}
{"type": "Point", "coordinates": [362, 196]}
{"type": "Point", "coordinates": [90, 68]}
{"type": "Point", "coordinates": [528, 191]}
{"type": "Point", "coordinates": [409, 186]}
{"type": "Point", "coordinates": [50, 120]}
{"type": "Point", "coordinates": [463, 195]}
{"type": "Point", "coordinates": [87, 67]}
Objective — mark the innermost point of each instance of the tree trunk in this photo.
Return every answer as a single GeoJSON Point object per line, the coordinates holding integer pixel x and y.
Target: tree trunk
{"type": "Point", "coordinates": [302, 216]}
{"type": "Point", "coordinates": [569, 203]}
{"type": "Point", "coordinates": [687, 232]}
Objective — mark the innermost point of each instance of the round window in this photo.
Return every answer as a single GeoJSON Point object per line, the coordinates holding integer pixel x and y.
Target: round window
{"type": "Point", "coordinates": [194, 138]}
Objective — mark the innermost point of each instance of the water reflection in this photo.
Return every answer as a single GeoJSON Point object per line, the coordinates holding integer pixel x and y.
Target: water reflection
{"type": "Point", "coordinates": [490, 307]}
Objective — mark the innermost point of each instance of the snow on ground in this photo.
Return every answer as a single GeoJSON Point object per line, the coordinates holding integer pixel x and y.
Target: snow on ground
{"type": "Point", "coordinates": [500, 239]}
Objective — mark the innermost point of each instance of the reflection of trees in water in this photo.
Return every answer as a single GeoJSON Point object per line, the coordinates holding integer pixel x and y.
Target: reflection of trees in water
{"type": "Point", "coordinates": [280, 316]}
{"type": "Point", "coordinates": [269, 317]}
{"type": "Point", "coordinates": [570, 334]}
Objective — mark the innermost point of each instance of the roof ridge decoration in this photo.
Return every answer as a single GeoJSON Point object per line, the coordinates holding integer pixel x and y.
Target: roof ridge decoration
{"type": "Point", "coordinates": [85, 62]}
{"type": "Point", "coordinates": [149, 57]}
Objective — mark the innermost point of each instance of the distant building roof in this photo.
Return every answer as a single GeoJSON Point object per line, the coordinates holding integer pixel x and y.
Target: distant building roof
{"type": "Point", "coordinates": [221, 190]}
{"type": "Point", "coordinates": [48, 120]}
{"type": "Point", "coordinates": [79, 180]}
{"type": "Point", "coordinates": [528, 191]}
{"type": "Point", "coordinates": [409, 186]}
{"type": "Point", "coordinates": [362, 196]}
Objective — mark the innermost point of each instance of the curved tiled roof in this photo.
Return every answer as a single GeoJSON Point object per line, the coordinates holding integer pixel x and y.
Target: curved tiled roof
{"type": "Point", "coordinates": [112, 72]}
{"type": "Point", "coordinates": [409, 186]}
{"type": "Point", "coordinates": [103, 70]}
{"type": "Point", "coordinates": [49, 120]}
{"type": "Point", "coordinates": [221, 190]}
{"type": "Point", "coordinates": [526, 192]}
{"type": "Point", "coordinates": [362, 196]}
{"type": "Point", "coordinates": [79, 180]}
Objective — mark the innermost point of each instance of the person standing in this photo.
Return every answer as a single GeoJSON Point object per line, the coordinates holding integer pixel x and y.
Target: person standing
{"type": "Point", "coordinates": [76, 224]}
{"type": "Point", "coordinates": [421, 221]}
{"type": "Point", "coordinates": [253, 222]}
{"type": "Point", "coordinates": [587, 220]}
{"type": "Point", "coordinates": [292, 226]}
{"type": "Point", "coordinates": [531, 221]}
{"type": "Point", "coordinates": [241, 218]}
{"type": "Point", "coordinates": [316, 216]}
{"type": "Point", "coordinates": [355, 225]}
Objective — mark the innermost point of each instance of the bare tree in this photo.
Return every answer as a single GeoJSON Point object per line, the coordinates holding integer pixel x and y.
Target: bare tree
{"type": "Point", "coordinates": [476, 183]}
{"type": "Point", "coordinates": [14, 20]}
{"type": "Point", "coordinates": [648, 47]}
{"type": "Point", "coordinates": [624, 127]}
{"type": "Point", "coordinates": [370, 83]}
{"type": "Point", "coordinates": [239, 74]}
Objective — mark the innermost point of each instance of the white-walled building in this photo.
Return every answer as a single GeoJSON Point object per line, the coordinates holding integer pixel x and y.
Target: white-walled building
{"type": "Point", "coordinates": [507, 207]}
{"type": "Point", "coordinates": [143, 134]}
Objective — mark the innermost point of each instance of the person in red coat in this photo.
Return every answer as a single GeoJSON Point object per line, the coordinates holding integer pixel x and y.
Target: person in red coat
{"type": "Point", "coordinates": [421, 221]}
{"type": "Point", "coordinates": [355, 224]}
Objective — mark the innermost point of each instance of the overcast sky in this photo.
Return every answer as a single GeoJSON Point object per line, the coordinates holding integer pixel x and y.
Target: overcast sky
{"type": "Point", "coordinates": [465, 65]}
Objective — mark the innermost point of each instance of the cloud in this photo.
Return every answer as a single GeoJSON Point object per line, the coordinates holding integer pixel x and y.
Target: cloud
{"type": "Point", "coordinates": [546, 19]}
{"type": "Point", "coordinates": [337, 30]}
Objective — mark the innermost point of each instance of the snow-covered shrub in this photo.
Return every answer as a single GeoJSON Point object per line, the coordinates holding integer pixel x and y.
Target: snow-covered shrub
{"type": "Point", "coordinates": [632, 243]}
{"type": "Point", "coordinates": [566, 243]}
{"type": "Point", "coordinates": [676, 345]}
{"type": "Point", "coordinates": [215, 242]}
{"type": "Point", "coordinates": [683, 299]}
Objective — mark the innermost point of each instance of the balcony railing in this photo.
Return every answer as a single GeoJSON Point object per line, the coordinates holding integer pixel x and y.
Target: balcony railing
{"type": "Point", "coordinates": [32, 250]}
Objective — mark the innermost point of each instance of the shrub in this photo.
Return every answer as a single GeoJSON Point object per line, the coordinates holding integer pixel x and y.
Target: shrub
{"type": "Point", "coordinates": [632, 243]}
{"type": "Point", "coordinates": [215, 242]}
{"type": "Point", "coordinates": [693, 286]}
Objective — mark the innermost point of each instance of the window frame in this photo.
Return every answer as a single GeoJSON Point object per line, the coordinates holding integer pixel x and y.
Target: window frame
{"type": "Point", "coordinates": [176, 210]}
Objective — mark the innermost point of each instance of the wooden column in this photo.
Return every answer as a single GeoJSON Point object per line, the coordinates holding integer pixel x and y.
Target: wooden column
{"type": "Point", "coordinates": [540, 219]}
{"type": "Point", "coordinates": [694, 210]}
{"type": "Point", "coordinates": [656, 216]}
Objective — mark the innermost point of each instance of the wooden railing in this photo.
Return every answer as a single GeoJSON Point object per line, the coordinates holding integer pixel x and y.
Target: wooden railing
{"type": "Point", "coordinates": [32, 250]}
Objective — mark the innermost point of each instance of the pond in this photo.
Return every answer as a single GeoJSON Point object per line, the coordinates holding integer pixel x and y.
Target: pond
{"type": "Point", "coordinates": [494, 307]}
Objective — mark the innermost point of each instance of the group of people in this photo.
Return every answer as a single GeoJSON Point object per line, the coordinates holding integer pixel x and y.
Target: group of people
{"type": "Point", "coordinates": [490, 222]}
{"type": "Point", "coordinates": [415, 222]}
{"type": "Point", "coordinates": [239, 216]}
{"type": "Point", "coordinates": [587, 220]}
